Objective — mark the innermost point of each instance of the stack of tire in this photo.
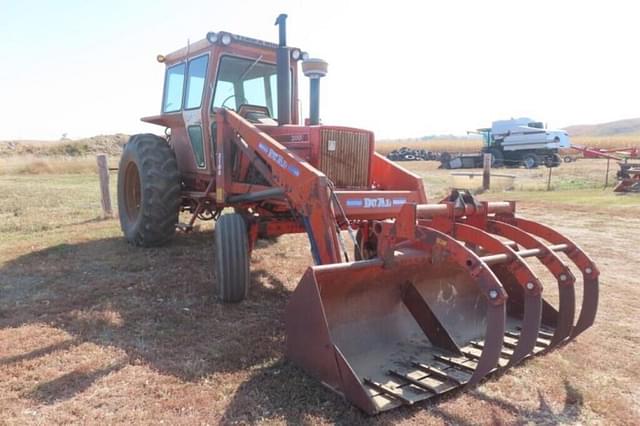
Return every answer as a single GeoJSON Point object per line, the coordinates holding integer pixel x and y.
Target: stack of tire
{"type": "Point", "coordinates": [411, 154]}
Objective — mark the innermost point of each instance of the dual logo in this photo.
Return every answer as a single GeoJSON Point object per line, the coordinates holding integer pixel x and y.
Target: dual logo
{"type": "Point", "coordinates": [375, 203]}
{"type": "Point", "coordinates": [279, 159]}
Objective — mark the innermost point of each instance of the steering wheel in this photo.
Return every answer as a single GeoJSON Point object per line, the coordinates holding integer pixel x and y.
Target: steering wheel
{"type": "Point", "coordinates": [228, 98]}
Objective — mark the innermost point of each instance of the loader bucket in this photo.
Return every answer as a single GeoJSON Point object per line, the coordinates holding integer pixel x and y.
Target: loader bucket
{"type": "Point", "coordinates": [393, 332]}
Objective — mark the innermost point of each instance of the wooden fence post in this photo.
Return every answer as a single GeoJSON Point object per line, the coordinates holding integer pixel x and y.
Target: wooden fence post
{"type": "Point", "coordinates": [486, 173]}
{"type": "Point", "coordinates": [549, 179]}
{"type": "Point", "coordinates": [105, 196]}
{"type": "Point", "coordinates": [606, 175]}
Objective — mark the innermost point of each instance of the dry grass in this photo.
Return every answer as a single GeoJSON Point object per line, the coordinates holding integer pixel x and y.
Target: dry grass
{"type": "Point", "coordinates": [109, 144]}
{"type": "Point", "coordinates": [95, 331]}
{"type": "Point", "coordinates": [37, 165]}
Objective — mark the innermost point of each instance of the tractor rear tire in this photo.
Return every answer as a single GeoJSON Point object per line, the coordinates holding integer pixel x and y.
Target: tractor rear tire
{"type": "Point", "coordinates": [231, 258]}
{"type": "Point", "coordinates": [148, 191]}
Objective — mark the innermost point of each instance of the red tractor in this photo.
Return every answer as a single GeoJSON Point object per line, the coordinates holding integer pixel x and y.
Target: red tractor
{"type": "Point", "coordinates": [436, 296]}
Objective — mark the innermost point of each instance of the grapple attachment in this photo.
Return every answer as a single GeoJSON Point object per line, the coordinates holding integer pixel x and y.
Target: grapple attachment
{"type": "Point", "coordinates": [448, 299]}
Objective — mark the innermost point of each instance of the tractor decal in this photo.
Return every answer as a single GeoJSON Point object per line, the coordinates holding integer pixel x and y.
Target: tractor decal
{"type": "Point", "coordinates": [375, 203]}
{"type": "Point", "coordinates": [279, 159]}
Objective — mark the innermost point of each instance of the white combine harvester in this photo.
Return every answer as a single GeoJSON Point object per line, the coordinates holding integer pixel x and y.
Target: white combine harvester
{"type": "Point", "coordinates": [515, 142]}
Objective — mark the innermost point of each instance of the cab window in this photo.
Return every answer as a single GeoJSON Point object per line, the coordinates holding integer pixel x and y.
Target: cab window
{"type": "Point", "coordinates": [195, 82]}
{"type": "Point", "coordinates": [195, 137]}
{"type": "Point", "coordinates": [245, 81]}
{"type": "Point", "coordinates": [173, 88]}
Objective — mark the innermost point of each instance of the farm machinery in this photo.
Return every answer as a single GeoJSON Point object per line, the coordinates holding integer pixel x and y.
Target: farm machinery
{"type": "Point", "coordinates": [513, 142]}
{"type": "Point", "coordinates": [629, 173]}
{"type": "Point", "coordinates": [436, 295]}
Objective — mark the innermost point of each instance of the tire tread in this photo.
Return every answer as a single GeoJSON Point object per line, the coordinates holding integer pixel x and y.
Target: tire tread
{"type": "Point", "coordinates": [160, 188]}
{"type": "Point", "coordinates": [231, 258]}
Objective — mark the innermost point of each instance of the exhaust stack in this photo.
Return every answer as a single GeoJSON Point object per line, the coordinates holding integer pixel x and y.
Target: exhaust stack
{"type": "Point", "coordinates": [315, 69]}
{"type": "Point", "coordinates": [284, 76]}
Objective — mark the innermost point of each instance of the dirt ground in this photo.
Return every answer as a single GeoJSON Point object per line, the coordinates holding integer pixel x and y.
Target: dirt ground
{"type": "Point", "coordinates": [93, 330]}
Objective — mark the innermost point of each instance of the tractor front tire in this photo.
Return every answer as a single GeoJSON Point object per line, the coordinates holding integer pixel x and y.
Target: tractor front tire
{"type": "Point", "coordinates": [231, 258]}
{"type": "Point", "coordinates": [148, 191]}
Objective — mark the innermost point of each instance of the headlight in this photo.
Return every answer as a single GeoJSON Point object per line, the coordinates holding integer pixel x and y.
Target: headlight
{"type": "Point", "coordinates": [295, 54]}
{"type": "Point", "coordinates": [226, 39]}
{"type": "Point", "coordinates": [212, 37]}
{"type": "Point", "coordinates": [160, 58]}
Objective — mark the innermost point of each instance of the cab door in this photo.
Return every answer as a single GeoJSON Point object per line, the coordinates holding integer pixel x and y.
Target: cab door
{"type": "Point", "coordinates": [194, 113]}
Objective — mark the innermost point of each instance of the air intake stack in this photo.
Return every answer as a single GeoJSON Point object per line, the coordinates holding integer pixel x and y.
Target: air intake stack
{"type": "Point", "coordinates": [315, 69]}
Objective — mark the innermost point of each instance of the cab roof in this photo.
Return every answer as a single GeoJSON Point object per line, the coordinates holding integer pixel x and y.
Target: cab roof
{"type": "Point", "coordinates": [204, 44]}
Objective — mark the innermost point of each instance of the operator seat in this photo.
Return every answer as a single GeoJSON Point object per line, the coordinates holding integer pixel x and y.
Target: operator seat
{"type": "Point", "coordinates": [256, 114]}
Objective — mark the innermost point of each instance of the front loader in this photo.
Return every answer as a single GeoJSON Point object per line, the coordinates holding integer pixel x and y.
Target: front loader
{"type": "Point", "coordinates": [435, 296]}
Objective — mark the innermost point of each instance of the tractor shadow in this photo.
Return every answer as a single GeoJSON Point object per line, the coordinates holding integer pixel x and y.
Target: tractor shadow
{"type": "Point", "coordinates": [156, 305]}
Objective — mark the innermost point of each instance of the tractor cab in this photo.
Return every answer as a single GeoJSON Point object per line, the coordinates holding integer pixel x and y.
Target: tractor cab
{"type": "Point", "coordinates": [222, 71]}
{"type": "Point", "coordinates": [258, 80]}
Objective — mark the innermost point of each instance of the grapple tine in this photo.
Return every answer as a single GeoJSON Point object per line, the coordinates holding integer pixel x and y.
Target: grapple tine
{"type": "Point", "coordinates": [491, 288]}
{"type": "Point", "coordinates": [518, 273]}
{"type": "Point", "coordinates": [586, 266]}
{"type": "Point", "coordinates": [589, 305]}
{"type": "Point", "coordinates": [566, 310]}
{"type": "Point", "coordinates": [496, 324]}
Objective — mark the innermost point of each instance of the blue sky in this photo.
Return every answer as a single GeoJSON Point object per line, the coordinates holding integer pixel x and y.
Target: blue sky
{"type": "Point", "coordinates": [401, 69]}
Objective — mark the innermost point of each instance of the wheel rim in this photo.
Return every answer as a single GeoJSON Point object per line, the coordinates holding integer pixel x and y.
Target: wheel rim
{"type": "Point", "coordinates": [132, 191]}
{"type": "Point", "coordinates": [528, 162]}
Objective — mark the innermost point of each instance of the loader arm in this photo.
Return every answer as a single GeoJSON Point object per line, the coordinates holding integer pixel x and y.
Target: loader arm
{"type": "Point", "coordinates": [306, 188]}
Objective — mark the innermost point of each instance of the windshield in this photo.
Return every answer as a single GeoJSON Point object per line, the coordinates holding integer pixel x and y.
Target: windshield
{"type": "Point", "coordinates": [246, 81]}
{"type": "Point", "coordinates": [536, 125]}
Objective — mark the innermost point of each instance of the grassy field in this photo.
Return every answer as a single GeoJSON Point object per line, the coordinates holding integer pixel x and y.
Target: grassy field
{"type": "Point", "coordinates": [585, 175]}
{"type": "Point", "coordinates": [95, 331]}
